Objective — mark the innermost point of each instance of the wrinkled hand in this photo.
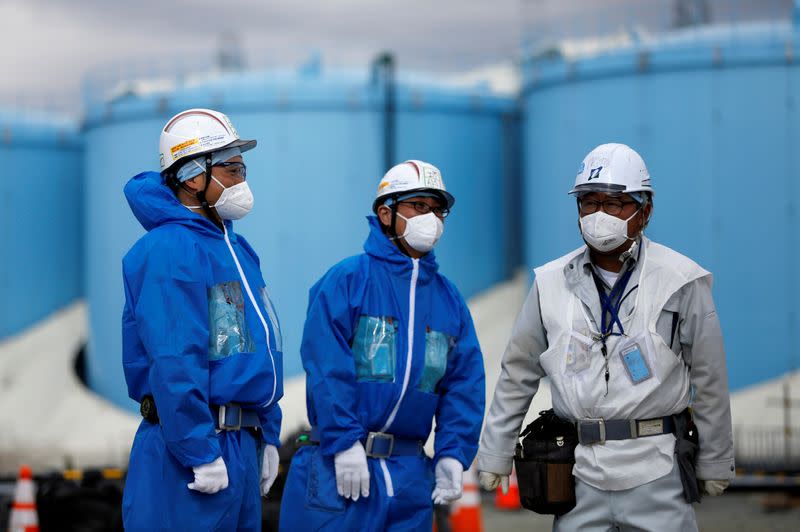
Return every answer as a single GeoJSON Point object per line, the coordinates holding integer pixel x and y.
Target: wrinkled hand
{"type": "Point", "coordinates": [490, 481]}
{"type": "Point", "coordinates": [352, 473]}
{"type": "Point", "coordinates": [449, 483]}
{"type": "Point", "coordinates": [713, 487]}
{"type": "Point", "coordinates": [269, 468]}
{"type": "Point", "coordinates": [210, 478]}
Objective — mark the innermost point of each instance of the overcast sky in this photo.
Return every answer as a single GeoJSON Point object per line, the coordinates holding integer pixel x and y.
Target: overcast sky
{"type": "Point", "coordinates": [50, 46]}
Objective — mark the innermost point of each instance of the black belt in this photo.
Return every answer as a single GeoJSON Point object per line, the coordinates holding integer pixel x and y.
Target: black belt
{"type": "Point", "coordinates": [591, 431]}
{"type": "Point", "coordinates": [384, 445]}
{"type": "Point", "coordinates": [226, 417]}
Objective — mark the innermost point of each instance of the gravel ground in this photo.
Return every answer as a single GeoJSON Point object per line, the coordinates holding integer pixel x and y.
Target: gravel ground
{"type": "Point", "coordinates": [736, 511]}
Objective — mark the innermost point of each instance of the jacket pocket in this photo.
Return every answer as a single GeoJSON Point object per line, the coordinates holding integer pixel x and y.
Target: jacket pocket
{"type": "Point", "coordinates": [437, 348]}
{"type": "Point", "coordinates": [228, 333]}
{"type": "Point", "coordinates": [375, 349]}
{"type": "Point", "coordinates": [272, 315]}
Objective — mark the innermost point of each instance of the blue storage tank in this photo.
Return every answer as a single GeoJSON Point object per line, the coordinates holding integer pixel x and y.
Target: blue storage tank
{"type": "Point", "coordinates": [314, 175]}
{"type": "Point", "coordinates": [42, 199]}
{"type": "Point", "coordinates": [714, 113]}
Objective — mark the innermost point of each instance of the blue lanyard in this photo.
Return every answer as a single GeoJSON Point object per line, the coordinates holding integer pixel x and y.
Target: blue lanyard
{"type": "Point", "coordinates": [610, 303]}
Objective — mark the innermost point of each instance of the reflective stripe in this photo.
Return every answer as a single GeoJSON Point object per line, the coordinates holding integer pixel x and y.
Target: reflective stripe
{"type": "Point", "coordinates": [412, 301]}
{"type": "Point", "coordinates": [23, 506]}
{"type": "Point", "coordinates": [387, 478]}
{"type": "Point", "coordinates": [258, 311]}
{"type": "Point", "coordinates": [469, 498]}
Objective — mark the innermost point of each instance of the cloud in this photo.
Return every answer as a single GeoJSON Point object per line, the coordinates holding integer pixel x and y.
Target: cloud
{"type": "Point", "coordinates": [57, 42]}
{"type": "Point", "coordinates": [51, 45]}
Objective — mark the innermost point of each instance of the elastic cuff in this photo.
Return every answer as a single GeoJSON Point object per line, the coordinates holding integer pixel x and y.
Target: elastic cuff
{"type": "Point", "coordinates": [271, 439]}
{"type": "Point", "coordinates": [342, 443]}
{"type": "Point", "coordinates": [454, 454]}
{"type": "Point", "coordinates": [194, 453]}
{"type": "Point", "coordinates": [492, 463]}
{"type": "Point", "coordinates": [716, 469]}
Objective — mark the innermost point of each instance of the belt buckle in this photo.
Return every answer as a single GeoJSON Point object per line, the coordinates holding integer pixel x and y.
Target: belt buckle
{"type": "Point", "coordinates": [222, 417]}
{"type": "Point", "coordinates": [650, 427]}
{"type": "Point", "coordinates": [372, 436]}
{"type": "Point", "coordinates": [601, 423]}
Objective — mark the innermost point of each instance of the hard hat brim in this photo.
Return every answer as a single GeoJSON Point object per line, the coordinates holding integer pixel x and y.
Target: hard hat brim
{"type": "Point", "coordinates": [449, 199]}
{"type": "Point", "coordinates": [607, 188]}
{"type": "Point", "coordinates": [243, 145]}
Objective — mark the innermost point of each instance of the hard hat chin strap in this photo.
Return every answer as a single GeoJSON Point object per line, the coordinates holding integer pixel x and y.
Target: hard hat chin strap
{"type": "Point", "coordinates": [393, 229]}
{"type": "Point", "coordinates": [201, 197]}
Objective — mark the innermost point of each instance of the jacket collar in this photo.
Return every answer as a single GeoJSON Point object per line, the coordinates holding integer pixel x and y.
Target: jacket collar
{"type": "Point", "coordinates": [378, 246]}
{"type": "Point", "coordinates": [153, 204]}
{"type": "Point", "coordinates": [578, 273]}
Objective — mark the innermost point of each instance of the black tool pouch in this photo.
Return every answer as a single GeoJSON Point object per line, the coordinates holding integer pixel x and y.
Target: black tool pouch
{"type": "Point", "coordinates": [686, 446]}
{"type": "Point", "coordinates": [544, 463]}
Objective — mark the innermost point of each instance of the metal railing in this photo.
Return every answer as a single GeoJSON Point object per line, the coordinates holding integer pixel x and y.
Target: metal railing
{"type": "Point", "coordinates": [767, 449]}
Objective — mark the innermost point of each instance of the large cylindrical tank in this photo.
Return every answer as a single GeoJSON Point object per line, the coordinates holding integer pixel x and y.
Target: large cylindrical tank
{"type": "Point", "coordinates": [314, 175]}
{"type": "Point", "coordinates": [40, 213]}
{"type": "Point", "coordinates": [714, 113]}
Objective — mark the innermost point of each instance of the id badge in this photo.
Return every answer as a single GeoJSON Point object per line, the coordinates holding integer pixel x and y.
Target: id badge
{"type": "Point", "coordinates": [635, 364]}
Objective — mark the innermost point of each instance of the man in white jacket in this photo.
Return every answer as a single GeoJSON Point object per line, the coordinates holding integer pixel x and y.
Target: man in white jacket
{"type": "Point", "coordinates": [627, 332]}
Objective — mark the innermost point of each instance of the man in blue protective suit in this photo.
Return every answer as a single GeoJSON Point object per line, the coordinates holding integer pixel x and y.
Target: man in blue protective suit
{"type": "Point", "coordinates": [202, 347]}
{"type": "Point", "coordinates": [388, 346]}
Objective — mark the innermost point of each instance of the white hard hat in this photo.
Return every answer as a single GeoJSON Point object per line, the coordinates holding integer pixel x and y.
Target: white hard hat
{"type": "Point", "coordinates": [197, 132]}
{"type": "Point", "coordinates": [412, 176]}
{"type": "Point", "coordinates": [613, 169]}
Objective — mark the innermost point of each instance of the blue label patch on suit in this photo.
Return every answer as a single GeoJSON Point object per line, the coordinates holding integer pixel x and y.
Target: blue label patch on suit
{"type": "Point", "coordinates": [636, 365]}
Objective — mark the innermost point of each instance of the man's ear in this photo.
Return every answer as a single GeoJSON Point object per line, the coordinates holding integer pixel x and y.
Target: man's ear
{"type": "Point", "coordinates": [647, 212]}
{"type": "Point", "coordinates": [385, 215]}
{"type": "Point", "coordinates": [196, 183]}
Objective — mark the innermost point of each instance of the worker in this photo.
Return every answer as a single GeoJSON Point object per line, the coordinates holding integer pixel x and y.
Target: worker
{"type": "Point", "coordinates": [628, 334]}
{"type": "Point", "coordinates": [388, 346]}
{"type": "Point", "coordinates": [201, 341]}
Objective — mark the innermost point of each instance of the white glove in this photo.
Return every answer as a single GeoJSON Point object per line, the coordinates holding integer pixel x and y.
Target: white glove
{"type": "Point", "coordinates": [448, 481]}
{"type": "Point", "coordinates": [490, 481]}
{"type": "Point", "coordinates": [713, 487]}
{"type": "Point", "coordinates": [352, 473]}
{"type": "Point", "coordinates": [269, 468]}
{"type": "Point", "coordinates": [210, 478]}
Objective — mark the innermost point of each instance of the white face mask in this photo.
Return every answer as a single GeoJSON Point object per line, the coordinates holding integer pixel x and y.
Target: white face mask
{"type": "Point", "coordinates": [235, 201]}
{"type": "Point", "coordinates": [604, 232]}
{"type": "Point", "coordinates": [423, 231]}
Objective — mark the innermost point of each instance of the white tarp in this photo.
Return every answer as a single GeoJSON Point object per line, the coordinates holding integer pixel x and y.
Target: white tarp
{"type": "Point", "coordinates": [49, 419]}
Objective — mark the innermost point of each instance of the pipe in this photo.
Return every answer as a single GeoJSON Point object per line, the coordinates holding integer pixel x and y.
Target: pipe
{"type": "Point", "coordinates": [383, 71]}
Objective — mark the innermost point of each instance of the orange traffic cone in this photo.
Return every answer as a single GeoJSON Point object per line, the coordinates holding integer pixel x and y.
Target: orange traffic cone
{"type": "Point", "coordinates": [23, 511]}
{"type": "Point", "coordinates": [465, 513]}
{"type": "Point", "coordinates": [509, 501]}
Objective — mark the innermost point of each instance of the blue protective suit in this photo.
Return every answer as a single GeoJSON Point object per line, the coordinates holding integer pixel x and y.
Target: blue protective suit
{"type": "Point", "coordinates": [191, 337]}
{"type": "Point", "coordinates": [359, 368]}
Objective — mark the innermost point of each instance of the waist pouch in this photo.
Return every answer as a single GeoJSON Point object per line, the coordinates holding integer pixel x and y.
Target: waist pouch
{"type": "Point", "coordinates": [687, 442]}
{"type": "Point", "coordinates": [544, 461]}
